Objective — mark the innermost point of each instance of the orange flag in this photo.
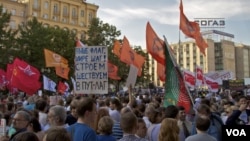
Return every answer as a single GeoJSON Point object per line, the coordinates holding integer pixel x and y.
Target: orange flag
{"type": "Point", "coordinates": [53, 59]}
{"type": "Point", "coordinates": [117, 48]}
{"type": "Point", "coordinates": [127, 53]}
{"type": "Point", "coordinates": [192, 30]}
{"type": "Point", "coordinates": [154, 45]}
{"type": "Point", "coordinates": [62, 72]}
{"type": "Point", "coordinates": [139, 60]}
{"type": "Point", "coordinates": [112, 71]}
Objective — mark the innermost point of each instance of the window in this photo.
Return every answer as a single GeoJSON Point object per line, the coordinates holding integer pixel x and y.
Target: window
{"type": "Point", "coordinates": [36, 4]}
{"type": "Point", "coordinates": [4, 10]}
{"type": "Point", "coordinates": [46, 5]}
{"type": "Point", "coordinates": [65, 11]}
{"type": "Point", "coordinates": [22, 13]}
{"type": "Point", "coordinates": [90, 17]}
{"type": "Point", "coordinates": [13, 12]}
{"type": "Point", "coordinates": [81, 23]}
{"type": "Point", "coordinates": [13, 24]}
{"type": "Point", "coordinates": [54, 18]}
{"type": "Point", "coordinates": [64, 20]}
{"type": "Point", "coordinates": [74, 15]}
{"type": "Point", "coordinates": [56, 10]}
{"type": "Point", "coordinates": [45, 16]}
{"type": "Point", "coordinates": [82, 13]}
{"type": "Point", "coordinates": [34, 14]}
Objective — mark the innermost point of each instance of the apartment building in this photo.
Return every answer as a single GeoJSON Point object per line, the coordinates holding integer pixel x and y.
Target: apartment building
{"type": "Point", "coordinates": [73, 15]}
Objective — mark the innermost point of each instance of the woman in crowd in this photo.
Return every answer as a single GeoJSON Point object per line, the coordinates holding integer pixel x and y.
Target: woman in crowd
{"type": "Point", "coordinates": [169, 130]}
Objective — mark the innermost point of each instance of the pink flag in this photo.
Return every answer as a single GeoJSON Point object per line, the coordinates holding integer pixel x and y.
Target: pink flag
{"type": "Point", "coordinates": [79, 44]}
{"type": "Point", "coordinates": [213, 86]}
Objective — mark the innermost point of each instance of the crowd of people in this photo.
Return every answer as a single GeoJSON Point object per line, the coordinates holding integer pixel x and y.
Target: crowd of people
{"type": "Point", "coordinates": [130, 117]}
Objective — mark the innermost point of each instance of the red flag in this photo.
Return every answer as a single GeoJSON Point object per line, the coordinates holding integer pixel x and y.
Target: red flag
{"type": "Point", "coordinates": [61, 87]}
{"type": "Point", "coordinates": [200, 42]}
{"type": "Point", "coordinates": [161, 72]}
{"type": "Point", "coordinates": [112, 71]}
{"type": "Point", "coordinates": [155, 45]}
{"type": "Point", "coordinates": [25, 77]}
{"type": "Point", "coordinates": [192, 30]}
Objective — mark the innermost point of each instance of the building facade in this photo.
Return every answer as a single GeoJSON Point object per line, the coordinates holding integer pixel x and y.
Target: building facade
{"type": "Point", "coordinates": [73, 15]}
{"type": "Point", "coordinates": [242, 53]}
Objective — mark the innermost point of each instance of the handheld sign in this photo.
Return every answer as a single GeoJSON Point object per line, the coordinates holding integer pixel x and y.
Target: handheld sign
{"type": "Point", "coordinates": [91, 70]}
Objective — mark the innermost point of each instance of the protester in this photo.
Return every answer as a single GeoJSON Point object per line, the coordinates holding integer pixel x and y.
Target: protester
{"type": "Point", "coordinates": [129, 127]}
{"type": "Point", "coordinates": [56, 134]}
{"type": "Point", "coordinates": [56, 117]}
{"type": "Point", "coordinates": [81, 130]}
{"type": "Point", "coordinates": [169, 130]}
{"type": "Point", "coordinates": [72, 116]}
{"type": "Point", "coordinates": [41, 106]}
{"type": "Point", "coordinates": [202, 125]}
{"type": "Point", "coordinates": [141, 131]}
{"type": "Point", "coordinates": [105, 125]}
{"type": "Point", "coordinates": [184, 125]}
{"type": "Point", "coordinates": [26, 136]}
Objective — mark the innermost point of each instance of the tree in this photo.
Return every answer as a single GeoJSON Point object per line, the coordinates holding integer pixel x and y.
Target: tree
{"type": "Point", "coordinates": [7, 39]}
{"type": "Point", "coordinates": [34, 37]}
{"type": "Point", "coordinates": [102, 34]}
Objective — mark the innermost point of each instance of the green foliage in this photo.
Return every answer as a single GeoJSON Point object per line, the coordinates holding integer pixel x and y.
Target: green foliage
{"type": "Point", "coordinates": [34, 37]}
{"type": "Point", "coordinates": [7, 39]}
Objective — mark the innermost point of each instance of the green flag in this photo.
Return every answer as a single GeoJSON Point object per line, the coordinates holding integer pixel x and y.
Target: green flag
{"type": "Point", "coordinates": [176, 92]}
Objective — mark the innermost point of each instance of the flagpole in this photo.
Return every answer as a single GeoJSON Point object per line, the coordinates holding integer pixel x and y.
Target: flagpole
{"type": "Point", "coordinates": [196, 87]}
{"type": "Point", "coordinates": [178, 68]}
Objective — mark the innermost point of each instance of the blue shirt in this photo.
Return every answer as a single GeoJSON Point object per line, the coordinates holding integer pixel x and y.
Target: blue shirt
{"type": "Point", "coordinates": [105, 138]}
{"type": "Point", "coordinates": [81, 132]}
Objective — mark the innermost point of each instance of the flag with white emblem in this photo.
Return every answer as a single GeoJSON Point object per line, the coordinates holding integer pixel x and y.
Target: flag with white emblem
{"type": "Point", "coordinates": [25, 77]}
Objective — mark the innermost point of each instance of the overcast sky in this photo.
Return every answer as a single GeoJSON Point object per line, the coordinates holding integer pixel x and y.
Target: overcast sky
{"type": "Point", "coordinates": [131, 16]}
